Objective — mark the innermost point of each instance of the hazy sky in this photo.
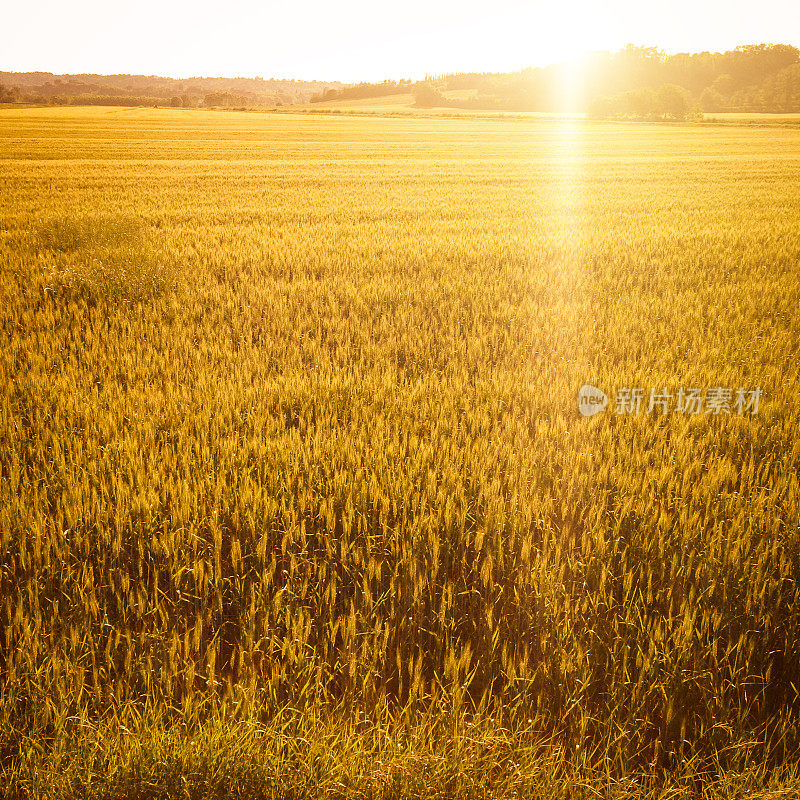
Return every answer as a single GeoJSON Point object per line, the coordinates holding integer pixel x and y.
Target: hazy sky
{"type": "Point", "coordinates": [366, 40]}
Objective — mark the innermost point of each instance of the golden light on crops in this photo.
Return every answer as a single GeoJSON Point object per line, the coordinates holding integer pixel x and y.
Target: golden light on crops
{"type": "Point", "coordinates": [291, 458]}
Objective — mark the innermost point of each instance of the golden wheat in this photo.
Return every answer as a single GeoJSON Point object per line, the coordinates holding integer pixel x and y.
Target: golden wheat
{"type": "Point", "coordinates": [289, 413]}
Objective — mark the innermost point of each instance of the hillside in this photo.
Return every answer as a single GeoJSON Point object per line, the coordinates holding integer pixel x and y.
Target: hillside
{"type": "Point", "coordinates": [135, 90]}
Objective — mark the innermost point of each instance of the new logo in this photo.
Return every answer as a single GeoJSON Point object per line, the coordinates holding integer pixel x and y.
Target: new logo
{"type": "Point", "coordinates": [591, 400]}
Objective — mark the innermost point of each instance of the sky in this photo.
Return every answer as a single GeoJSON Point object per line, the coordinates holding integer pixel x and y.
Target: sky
{"type": "Point", "coordinates": [355, 40]}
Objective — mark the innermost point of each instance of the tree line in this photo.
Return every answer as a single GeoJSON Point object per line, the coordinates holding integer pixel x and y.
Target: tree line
{"type": "Point", "coordinates": [641, 82]}
{"type": "Point", "coordinates": [150, 90]}
{"type": "Point", "coordinates": [363, 90]}
{"type": "Point", "coordinates": [635, 82]}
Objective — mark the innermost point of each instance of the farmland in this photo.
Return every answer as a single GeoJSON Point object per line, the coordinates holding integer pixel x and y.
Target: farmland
{"type": "Point", "coordinates": [296, 499]}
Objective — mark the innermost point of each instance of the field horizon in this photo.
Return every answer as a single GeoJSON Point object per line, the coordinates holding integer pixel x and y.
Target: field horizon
{"type": "Point", "coordinates": [629, 82]}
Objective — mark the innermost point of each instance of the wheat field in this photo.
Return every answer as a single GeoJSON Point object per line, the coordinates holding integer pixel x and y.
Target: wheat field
{"type": "Point", "coordinates": [296, 499]}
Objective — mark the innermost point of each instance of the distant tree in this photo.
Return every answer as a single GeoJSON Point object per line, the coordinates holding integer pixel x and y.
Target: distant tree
{"type": "Point", "coordinates": [673, 101]}
{"type": "Point", "coordinates": [426, 95]}
{"type": "Point", "coordinates": [723, 84]}
{"type": "Point", "coordinates": [222, 99]}
{"type": "Point", "coordinates": [8, 95]}
{"type": "Point", "coordinates": [360, 91]}
{"type": "Point", "coordinates": [641, 103]}
{"type": "Point", "coordinates": [780, 92]}
{"type": "Point", "coordinates": [712, 100]}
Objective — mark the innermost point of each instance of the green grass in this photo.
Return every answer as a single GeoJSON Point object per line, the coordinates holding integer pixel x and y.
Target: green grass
{"type": "Point", "coordinates": [335, 753]}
